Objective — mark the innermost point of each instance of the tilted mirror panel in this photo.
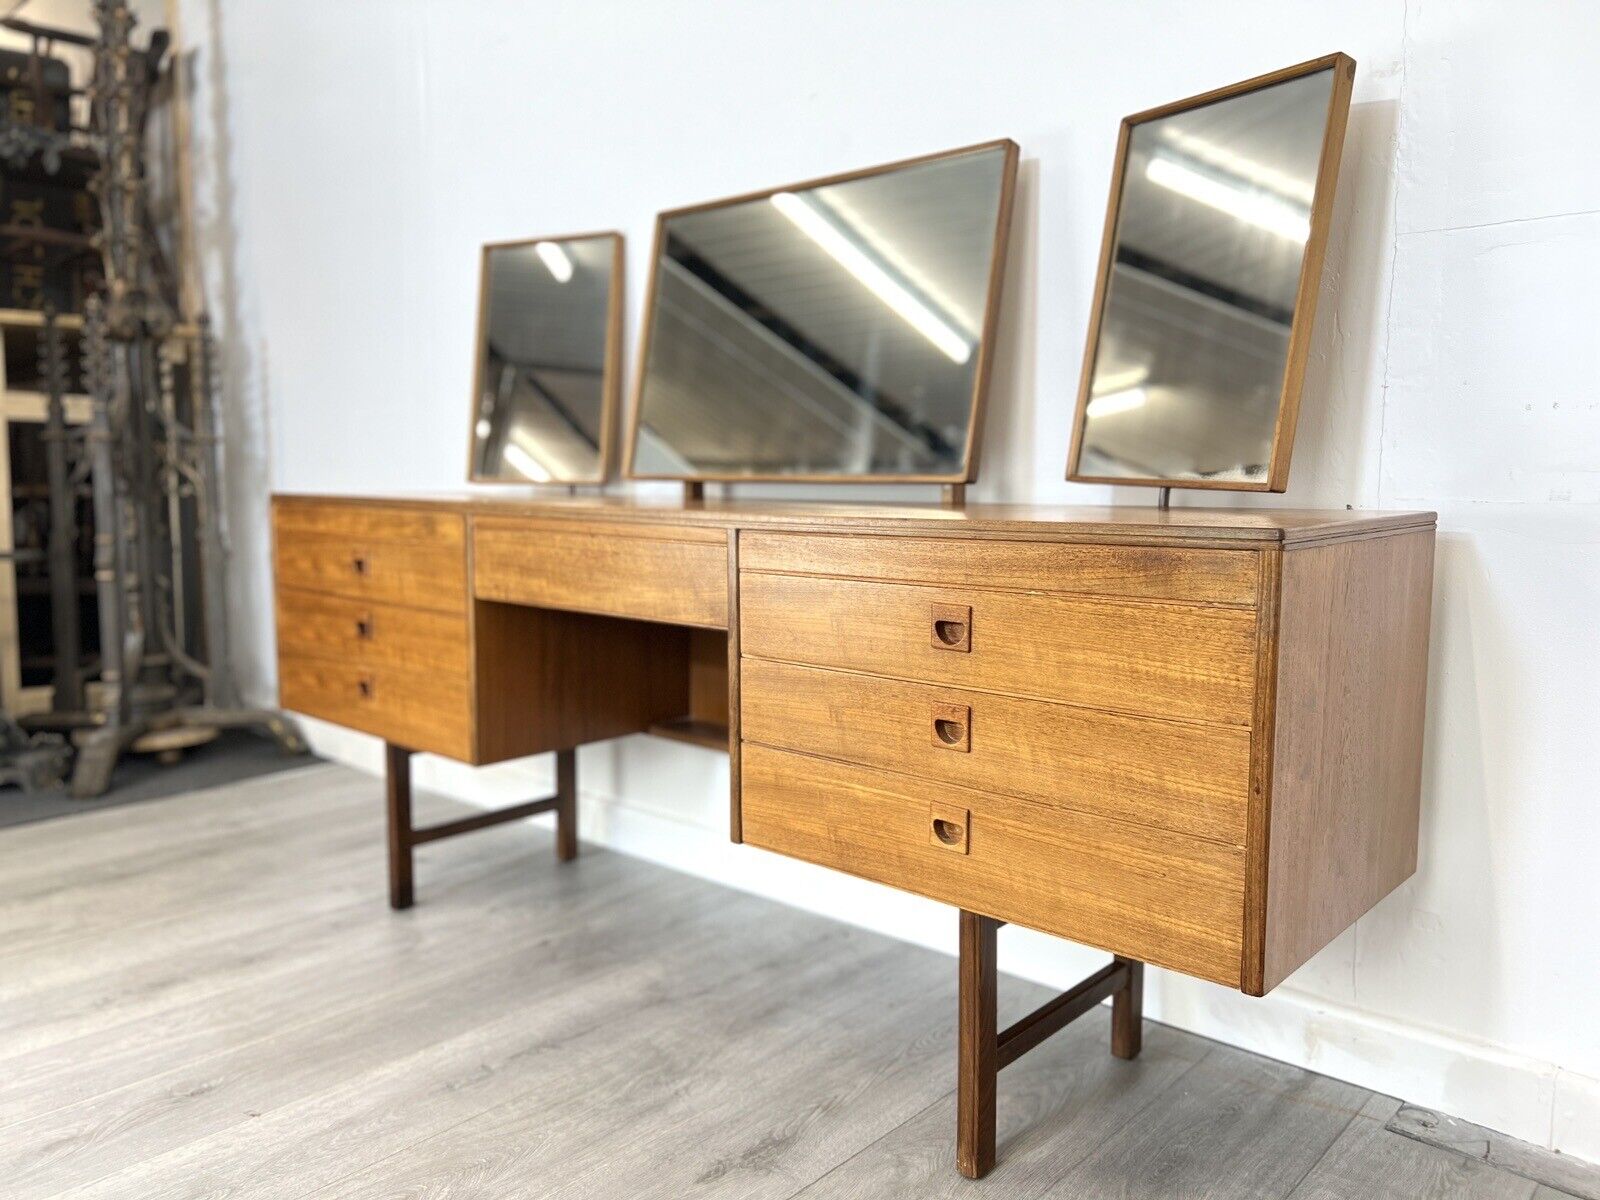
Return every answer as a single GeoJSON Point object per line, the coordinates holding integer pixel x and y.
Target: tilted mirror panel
{"type": "Point", "coordinates": [543, 398]}
{"type": "Point", "coordinates": [1194, 341]}
{"type": "Point", "coordinates": [829, 330]}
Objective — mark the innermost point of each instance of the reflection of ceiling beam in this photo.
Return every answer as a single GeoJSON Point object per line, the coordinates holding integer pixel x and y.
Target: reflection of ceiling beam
{"type": "Point", "coordinates": [886, 412]}
{"type": "Point", "coordinates": [724, 345]}
{"type": "Point", "coordinates": [1210, 289]}
{"type": "Point", "coordinates": [557, 406]}
{"type": "Point", "coordinates": [654, 443]}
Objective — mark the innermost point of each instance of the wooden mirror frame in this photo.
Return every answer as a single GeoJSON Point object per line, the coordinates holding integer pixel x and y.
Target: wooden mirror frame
{"type": "Point", "coordinates": [611, 380]}
{"type": "Point", "coordinates": [985, 358]}
{"type": "Point", "coordinates": [1305, 306]}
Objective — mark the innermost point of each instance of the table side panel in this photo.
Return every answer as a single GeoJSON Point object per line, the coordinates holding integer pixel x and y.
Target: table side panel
{"type": "Point", "coordinates": [1347, 750]}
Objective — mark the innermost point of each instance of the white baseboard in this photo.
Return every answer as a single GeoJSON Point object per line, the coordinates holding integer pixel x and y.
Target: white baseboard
{"type": "Point", "coordinates": [1526, 1098]}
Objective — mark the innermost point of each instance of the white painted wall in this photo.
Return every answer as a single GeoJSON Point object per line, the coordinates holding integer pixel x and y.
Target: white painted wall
{"type": "Point", "coordinates": [356, 154]}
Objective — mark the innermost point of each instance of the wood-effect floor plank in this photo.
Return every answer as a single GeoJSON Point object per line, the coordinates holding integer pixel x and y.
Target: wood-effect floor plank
{"type": "Point", "coordinates": [1054, 1107]}
{"type": "Point", "coordinates": [1237, 1127]}
{"type": "Point", "coordinates": [1370, 1163]}
{"type": "Point", "coordinates": [206, 997]}
{"type": "Point", "coordinates": [546, 1036]}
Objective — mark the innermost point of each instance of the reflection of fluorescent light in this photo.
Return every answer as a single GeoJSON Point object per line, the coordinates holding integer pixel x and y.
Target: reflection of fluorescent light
{"type": "Point", "coordinates": [484, 428]}
{"type": "Point", "coordinates": [1116, 402]}
{"type": "Point", "coordinates": [556, 259]}
{"type": "Point", "coordinates": [1267, 212]}
{"type": "Point", "coordinates": [1119, 381]}
{"type": "Point", "coordinates": [525, 463]}
{"type": "Point", "coordinates": [827, 234]}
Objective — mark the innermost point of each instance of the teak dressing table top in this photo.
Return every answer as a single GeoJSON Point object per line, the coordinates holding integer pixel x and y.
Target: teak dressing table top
{"type": "Point", "coordinates": [1282, 526]}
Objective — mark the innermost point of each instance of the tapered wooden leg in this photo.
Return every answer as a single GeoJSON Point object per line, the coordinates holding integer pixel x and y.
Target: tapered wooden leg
{"type": "Point", "coordinates": [1127, 1012]}
{"type": "Point", "coordinates": [566, 805]}
{"type": "Point", "coordinates": [976, 1066]}
{"type": "Point", "coordinates": [397, 787]}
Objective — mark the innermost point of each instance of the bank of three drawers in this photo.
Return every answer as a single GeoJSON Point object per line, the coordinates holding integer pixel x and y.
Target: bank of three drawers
{"type": "Point", "coordinates": [373, 622]}
{"type": "Point", "coordinates": [1081, 738]}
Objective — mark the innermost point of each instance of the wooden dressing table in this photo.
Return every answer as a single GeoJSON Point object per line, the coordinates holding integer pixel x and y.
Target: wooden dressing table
{"type": "Point", "coordinates": [1188, 737]}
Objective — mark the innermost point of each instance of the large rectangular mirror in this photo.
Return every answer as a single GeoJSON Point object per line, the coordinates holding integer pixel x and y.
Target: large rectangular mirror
{"type": "Point", "coordinates": [1215, 235]}
{"type": "Point", "coordinates": [831, 330]}
{"type": "Point", "coordinates": [545, 385]}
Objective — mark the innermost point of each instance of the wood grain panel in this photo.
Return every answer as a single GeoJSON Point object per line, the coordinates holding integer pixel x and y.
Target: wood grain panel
{"type": "Point", "coordinates": [317, 625]}
{"type": "Point", "coordinates": [678, 575]}
{"type": "Point", "coordinates": [1347, 750]}
{"type": "Point", "coordinates": [1159, 572]}
{"type": "Point", "coordinates": [437, 526]}
{"type": "Point", "coordinates": [1119, 524]}
{"type": "Point", "coordinates": [1140, 657]}
{"type": "Point", "coordinates": [423, 575]}
{"type": "Point", "coordinates": [1174, 775]}
{"type": "Point", "coordinates": [417, 710]}
{"type": "Point", "coordinates": [1142, 893]}
{"type": "Point", "coordinates": [552, 680]}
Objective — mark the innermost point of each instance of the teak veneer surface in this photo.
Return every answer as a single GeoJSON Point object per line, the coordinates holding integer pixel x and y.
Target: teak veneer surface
{"type": "Point", "coordinates": [1142, 657]}
{"type": "Point", "coordinates": [1135, 524]}
{"type": "Point", "coordinates": [1189, 736]}
{"type": "Point", "coordinates": [1352, 670]}
{"type": "Point", "coordinates": [1175, 775]}
{"type": "Point", "coordinates": [675, 575]}
{"type": "Point", "coordinates": [421, 710]}
{"type": "Point", "coordinates": [1156, 572]}
{"type": "Point", "coordinates": [318, 625]}
{"type": "Point", "coordinates": [1147, 893]}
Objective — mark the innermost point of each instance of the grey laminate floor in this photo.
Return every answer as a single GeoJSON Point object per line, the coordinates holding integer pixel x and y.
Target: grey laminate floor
{"type": "Point", "coordinates": [207, 997]}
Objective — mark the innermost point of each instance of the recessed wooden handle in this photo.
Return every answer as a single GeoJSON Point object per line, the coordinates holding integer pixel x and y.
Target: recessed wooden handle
{"type": "Point", "coordinates": [358, 563]}
{"type": "Point", "coordinates": [949, 828]}
{"type": "Point", "coordinates": [951, 627]}
{"type": "Point", "coordinates": [365, 686]}
{"type": "Point", "coordinates": [364, 627]}
{"type": "Point", "coordinates": [952, 726]}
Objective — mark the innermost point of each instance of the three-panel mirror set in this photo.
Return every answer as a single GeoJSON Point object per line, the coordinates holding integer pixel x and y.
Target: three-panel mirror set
{"type": "Point", "coordinates": [843, 329]}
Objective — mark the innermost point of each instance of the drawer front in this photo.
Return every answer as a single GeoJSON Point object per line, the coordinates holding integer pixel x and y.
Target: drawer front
{"type": "Point", "coordinates": [422, 574]}
{"type": "Point", "coordinates": [1142, 657]}
{"type": "Point", "coordinates": [1155, 572]}
{"type": "Point", "coordinates": [674, 575]}
{"type": "Point", "coordinates": [419, 711]}
{"type": "Point", "coordinates": [1188, 778]}
{"type": "Point", "coordinates": [317, 625]}
{"type": "Point", "coordinates": [1148, 894]}
{"type": "Point", "coordinates": [367, 522]}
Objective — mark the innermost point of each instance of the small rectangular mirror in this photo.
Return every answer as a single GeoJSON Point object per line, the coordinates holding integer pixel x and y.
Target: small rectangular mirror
{"type": "Point", "coordinates": [1215, 236]}
{"type": "Point", "coordinates": [544, 392]}
{"type": "Point", "coordinates": [834, 330]}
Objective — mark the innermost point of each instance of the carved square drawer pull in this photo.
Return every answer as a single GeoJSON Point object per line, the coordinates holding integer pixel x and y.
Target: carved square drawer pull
{"type": "Point", "coordinates": [948, 827]}
{"type": "Point", "coordinates": [365, 686]}
{"type": "Point", "coordinates": [952, 727]}
{"type": "Point", "coordinates": [952, 627]}
{"type": "Point", "coordinates": [358, 564]}
{"type": "Point", "coordinates": [364, 627]}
